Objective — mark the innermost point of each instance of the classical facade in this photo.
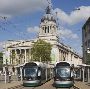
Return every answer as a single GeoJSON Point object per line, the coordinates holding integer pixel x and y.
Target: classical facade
{"type": "Point", "coordinates": [86, 39]}
{"type": "Point", "coordinates": [19, 52]}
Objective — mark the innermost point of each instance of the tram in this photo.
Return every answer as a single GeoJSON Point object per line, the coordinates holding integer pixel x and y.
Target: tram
{"type": "Point", "coordinates": [63, 76]}
{"type": "Point", "coordinates": [36, 73]}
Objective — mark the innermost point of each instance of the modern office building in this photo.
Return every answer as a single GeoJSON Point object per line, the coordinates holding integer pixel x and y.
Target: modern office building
{"type": "Point", "coordinates": [86, 40]}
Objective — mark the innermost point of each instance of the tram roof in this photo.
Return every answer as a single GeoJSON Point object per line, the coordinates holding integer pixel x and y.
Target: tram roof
{"type": "Point", "coordinates": [44, 64]}
{"type": "Point", "coordinates": [41, 64]}
{"type": "Point", "coordinates": [63, 62]}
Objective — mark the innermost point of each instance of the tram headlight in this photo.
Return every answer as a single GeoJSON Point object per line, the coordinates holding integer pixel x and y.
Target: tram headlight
{"type": "Point", "coordinates": [29, 79]}
{"type": "Point", "coordinates": [25, 78]}
{"type": "Point", "coordinates": [57, 79]}
{"type": "Point", "coordinates": [39, 73]}
{"type": "Point", "coordinates": [67, 79]}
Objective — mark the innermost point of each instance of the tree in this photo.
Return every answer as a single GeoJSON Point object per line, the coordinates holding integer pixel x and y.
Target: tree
{"type": "Point", "coordinates": [41, 51]}
{"type": "Point", "coordinates": [1, 54]}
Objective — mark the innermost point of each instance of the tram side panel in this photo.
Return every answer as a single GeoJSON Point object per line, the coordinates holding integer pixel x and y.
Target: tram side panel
{"type": "Point", "coordinates": [43, 75]}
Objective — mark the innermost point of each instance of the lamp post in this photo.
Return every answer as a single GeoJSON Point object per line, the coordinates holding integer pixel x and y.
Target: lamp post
{"type": "Point", "coordinates": [6, 69]}
{"type": "Point", "coordinates": [21, 68]}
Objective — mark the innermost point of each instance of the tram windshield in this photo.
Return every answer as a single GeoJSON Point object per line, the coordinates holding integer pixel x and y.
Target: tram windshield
{"type": "Point", "coordinates": [30, 72]}
{"type": "Point", "coordinates": [63, 72]}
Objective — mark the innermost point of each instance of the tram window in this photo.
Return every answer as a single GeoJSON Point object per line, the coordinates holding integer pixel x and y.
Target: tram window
{"type": "Point", "coordinates": [30, 71]}
{"type": "Point", "coordinates": [63, 72]}
{"type": "Point", "coordinates": [39, 71]}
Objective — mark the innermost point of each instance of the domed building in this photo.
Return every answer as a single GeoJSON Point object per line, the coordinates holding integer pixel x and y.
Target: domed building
{"type": "Point", "coordinates": [18, 52]}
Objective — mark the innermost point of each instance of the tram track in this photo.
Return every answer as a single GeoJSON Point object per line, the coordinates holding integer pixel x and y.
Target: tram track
{"type": "Point", "coordinates": [29, 88]}
{"type": "Point", "coordinates": [74, 87]}
{"type": "Point", "coordinates": [48, 85]}
{"type": "Point", "coordinates": [22, 87]}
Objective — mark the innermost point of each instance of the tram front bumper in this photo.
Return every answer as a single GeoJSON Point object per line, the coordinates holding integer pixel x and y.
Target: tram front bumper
{"type": "Point", "coordinates": [63, 83]}
{"type": "Point", "coordinates": [31, 83]}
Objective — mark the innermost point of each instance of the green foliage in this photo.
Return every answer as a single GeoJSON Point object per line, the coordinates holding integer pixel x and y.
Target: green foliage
{"type": "Point", "coordinates": [88, 59]}
{"type": "Point", "coordinates": [1, 62]}
{"type": "Point", "coordinates": [41, 51]}
{"type": "Point", "coordinates": [1, 54]}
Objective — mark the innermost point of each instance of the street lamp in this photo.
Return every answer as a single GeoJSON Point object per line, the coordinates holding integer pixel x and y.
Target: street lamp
{"type": "Point", "coordinates": [6, 70]}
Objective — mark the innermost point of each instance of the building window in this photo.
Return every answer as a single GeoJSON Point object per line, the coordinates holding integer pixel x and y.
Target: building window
{"type": "Point", "coordinates": [45, 29]}
{"type": "Point", "coordinates": [89, 43]}
{"type": "Point", "coordinates": [48, 29]}
{"type": "Point", "coordinates": [86, 43]}
{"type": "Point", "coordinates": [85, 33]}
{"type": "Point", "coordinates": [89, 30]}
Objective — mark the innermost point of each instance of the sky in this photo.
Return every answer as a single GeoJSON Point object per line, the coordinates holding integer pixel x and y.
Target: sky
{"type": "Point", "coordinates": [20, 20]}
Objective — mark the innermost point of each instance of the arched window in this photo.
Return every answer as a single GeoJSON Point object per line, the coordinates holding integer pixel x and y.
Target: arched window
{"type": "Point", "coordinates": [43, 28]}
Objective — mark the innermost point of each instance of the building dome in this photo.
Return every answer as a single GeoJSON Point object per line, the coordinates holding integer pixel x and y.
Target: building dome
{"type": "Point", "coordinates": [48, 16]}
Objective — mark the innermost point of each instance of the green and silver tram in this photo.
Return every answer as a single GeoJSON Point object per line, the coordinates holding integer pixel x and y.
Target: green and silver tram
{"type": "Point", "coordinates": [36, 73]}
{"type": "Point", "coordinates": [63, 75]}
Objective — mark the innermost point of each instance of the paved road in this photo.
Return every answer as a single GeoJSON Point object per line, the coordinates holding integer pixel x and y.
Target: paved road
{"type": "Point", "coordinates": [47, 85]}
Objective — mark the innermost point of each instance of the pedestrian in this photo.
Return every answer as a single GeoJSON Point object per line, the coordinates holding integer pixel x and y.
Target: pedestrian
{"type": "Point", "coordinates": [9, 77]}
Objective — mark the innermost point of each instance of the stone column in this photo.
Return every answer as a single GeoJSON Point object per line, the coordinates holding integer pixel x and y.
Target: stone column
{"type": "Point", "coordinates": [29, 55]}
{"type": "Point", "coordinates": [25, 56]}
{"type": "Point", "coordinates": [15, 56]}
{"type": "Point", "coordinates": [64, 56]}
{"type": "Point", "coordinates": [11, 57]}
{"type": "Point", "coordinates": [83, 73]}
{"type": "Point", "coordinates": [67, 56]}
{"type": "Point", "coordinates": [20, 57]}
{"type": "Point", "coordinates": [60, 55]}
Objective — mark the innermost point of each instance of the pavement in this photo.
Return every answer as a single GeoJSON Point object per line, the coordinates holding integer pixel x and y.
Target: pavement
{"type": "Point", "coordinates": [11, 85]}
{"type": "Point", "coordinates": [82, 85]}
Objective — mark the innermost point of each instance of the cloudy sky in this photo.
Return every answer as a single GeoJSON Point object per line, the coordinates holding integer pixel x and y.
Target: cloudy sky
{"type": "Point", "coordinates": [20, 19]}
